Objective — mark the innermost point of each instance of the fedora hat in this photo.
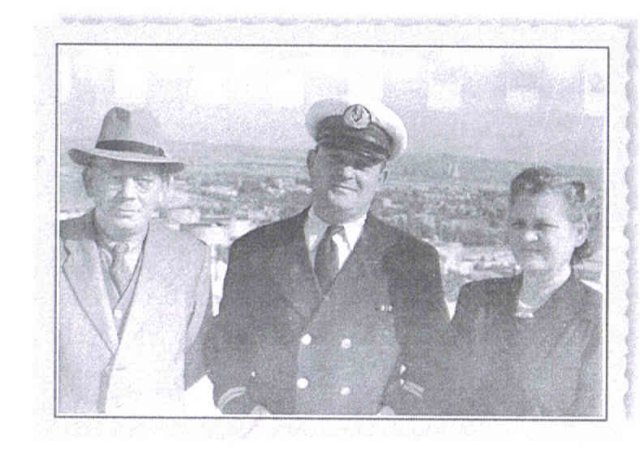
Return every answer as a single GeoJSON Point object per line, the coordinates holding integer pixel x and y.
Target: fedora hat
{"type": "Point", "coordinates": [128, 136]}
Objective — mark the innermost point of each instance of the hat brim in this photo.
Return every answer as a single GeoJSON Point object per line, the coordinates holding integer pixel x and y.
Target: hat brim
{"type": "Point", "coordinates": [84, 157]}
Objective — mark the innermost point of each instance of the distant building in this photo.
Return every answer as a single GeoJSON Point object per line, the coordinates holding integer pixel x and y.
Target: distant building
{"type": "Point", "coordinates": [221, 190]}
{"type": "Point", "coordinates": [450, 255]}
{"type": "Point", "coordinates": [453, 170]}
{"type": "Point", "coordinates": [183, 215]}
{"type": "Point", "coordinates": [210, 234]}
{"type": "Point", "coordinates": [238, 227]}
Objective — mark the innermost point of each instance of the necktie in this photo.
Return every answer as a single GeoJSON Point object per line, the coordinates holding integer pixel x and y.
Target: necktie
{"type": "Point", "coordinates": [327, 264]}
{"type": "Point", "coordinates": [119, 270]}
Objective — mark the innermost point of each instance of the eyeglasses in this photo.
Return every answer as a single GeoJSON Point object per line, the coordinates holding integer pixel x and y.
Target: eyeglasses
{"type": "Point", "coordinates": [143, 182]}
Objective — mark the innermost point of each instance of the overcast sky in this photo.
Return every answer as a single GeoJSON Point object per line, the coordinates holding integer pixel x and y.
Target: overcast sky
{"type": "Point", "coordinates": [502, 103]}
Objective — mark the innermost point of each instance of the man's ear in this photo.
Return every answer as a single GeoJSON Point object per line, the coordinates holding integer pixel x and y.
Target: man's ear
{"type": "Point", "coordinates": [384, 174]}
{"type": "Point", "coordinates": [311, 157]}
{"type": "Point", "coordinates": [87, 180]}
{"type": "Point", "coordinates": [168, 181]}
{"type": "Point", "coordinates": [166, 188]}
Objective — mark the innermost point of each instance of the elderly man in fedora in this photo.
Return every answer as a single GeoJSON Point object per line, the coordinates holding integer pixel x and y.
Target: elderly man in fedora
{"type": "Point", "coordinates": [133, 294]}
{"type": "Point", "coordinates": [332, 311]}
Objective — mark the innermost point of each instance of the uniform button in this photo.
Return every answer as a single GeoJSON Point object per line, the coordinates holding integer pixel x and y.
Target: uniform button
{"type": "Point", "coordinates": [253, 374]}
{"type": "Point", "coordinates": [306, 339]}
{"type": "Point", "coordinates": [346, 390]}
{"type": "Point", "coordinates": [402, 369]}
{"type": "Point", "coordinates": [345, 343]}
{"type": "Point", "coordinates": [302, 383]}
{"type": "Point", "coordinates": [118, 314]}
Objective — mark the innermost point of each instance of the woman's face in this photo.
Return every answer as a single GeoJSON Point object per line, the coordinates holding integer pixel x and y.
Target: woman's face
{"type": "Point", "coordinates": [541, 235]}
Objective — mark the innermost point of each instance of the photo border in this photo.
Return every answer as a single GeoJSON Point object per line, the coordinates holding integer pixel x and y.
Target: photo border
{"type": "Point", "coordinates": [604, 205]}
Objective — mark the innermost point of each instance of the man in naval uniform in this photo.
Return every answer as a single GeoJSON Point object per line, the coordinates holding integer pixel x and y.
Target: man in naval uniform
{"type": "Point", "coordinates": [133, 293]}
{"type": "Point", "coordinates": [332, 311]}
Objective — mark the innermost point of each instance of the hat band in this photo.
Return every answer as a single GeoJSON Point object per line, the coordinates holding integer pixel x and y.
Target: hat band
{"type": "Point", "coordinates": [372, 138]}
{"type": "Point", "coordinates": [121, 145]}
{"type": "Point", "coordinates": [357, 145]}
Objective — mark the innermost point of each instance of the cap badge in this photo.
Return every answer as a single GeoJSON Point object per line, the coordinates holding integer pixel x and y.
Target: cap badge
{"type": "Point", "coordinates": [357, 116]}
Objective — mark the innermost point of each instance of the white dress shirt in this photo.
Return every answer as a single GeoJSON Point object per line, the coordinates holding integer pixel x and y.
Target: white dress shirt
{"type": "Point", "coordinates": [345, 240]}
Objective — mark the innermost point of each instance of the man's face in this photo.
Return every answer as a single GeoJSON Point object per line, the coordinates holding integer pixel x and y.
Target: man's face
{"type": "Point", "coordinates": [344, 183]}
{"type": "Point", "coordinates": [126, 195]}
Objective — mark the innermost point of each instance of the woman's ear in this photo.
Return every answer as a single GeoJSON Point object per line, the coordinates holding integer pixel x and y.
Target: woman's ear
{"type": "Point", "coordinates": [582, 231]}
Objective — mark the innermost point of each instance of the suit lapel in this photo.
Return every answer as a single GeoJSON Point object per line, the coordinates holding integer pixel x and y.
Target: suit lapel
{"type": "Point", "coordinates": [502, 321]}
{"type": "Point", "coordinates": [156, 283]}
{"type": "Point", "coordinates": [291, 268]}
{"type": "Point", "coordinates": [555, 316]}
{"type": "Point", "coordinates": [540, 340]}
{"type": "Point", "coordinates": [84, 272]}
{"type": "Point", "coordinates": [362, 263]}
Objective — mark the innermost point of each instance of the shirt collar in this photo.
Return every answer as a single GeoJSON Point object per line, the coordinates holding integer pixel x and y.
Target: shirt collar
{"type": "Point", "coordinates": [134, 244]}
{"type": "Point", "coordinates": [314, 229]}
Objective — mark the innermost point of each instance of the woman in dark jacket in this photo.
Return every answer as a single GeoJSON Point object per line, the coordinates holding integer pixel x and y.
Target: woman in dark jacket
{"type": "Point", "coordinates": [531, 345]}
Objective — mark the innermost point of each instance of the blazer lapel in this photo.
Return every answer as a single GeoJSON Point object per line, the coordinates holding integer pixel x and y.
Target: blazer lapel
{"type": "Point", "coordinates": [157, 285]}
{"type": "Point", "coordinates": [543, 337]}
{"type": "Point", "coordinates": [290, 266]}
{"type": "Point", "coordinates": [501, 317]}
{"type": "Point", "coordinates": [84, 272]}
{"type": "Point", "coordinates": [363, 262]}
{"type": "Point", "coordinates": [556, 314]}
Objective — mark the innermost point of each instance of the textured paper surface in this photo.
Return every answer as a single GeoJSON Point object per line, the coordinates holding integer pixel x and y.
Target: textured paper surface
{"type": "Point", "coordinates": [374, 45]}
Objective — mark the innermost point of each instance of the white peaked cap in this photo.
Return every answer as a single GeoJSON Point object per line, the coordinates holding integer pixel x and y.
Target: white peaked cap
{"type": "Point", "coordinates": [367, 112]}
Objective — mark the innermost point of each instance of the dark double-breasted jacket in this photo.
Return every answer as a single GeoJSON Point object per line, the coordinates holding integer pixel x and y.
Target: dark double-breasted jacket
{"type": "Point", "coordinates": [548, 365]}
{"type": "Point", "coordinates": [278, 342]}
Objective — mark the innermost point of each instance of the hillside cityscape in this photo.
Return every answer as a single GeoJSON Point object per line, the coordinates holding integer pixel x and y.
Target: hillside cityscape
{"type": "Point", "coordinates": [456, 203]}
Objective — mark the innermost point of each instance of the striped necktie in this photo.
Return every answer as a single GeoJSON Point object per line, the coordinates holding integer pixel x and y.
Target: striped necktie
{"type": "Point", "coordinates": [120, 272]}
{"type": "Point", "coordinates": [327, 264]}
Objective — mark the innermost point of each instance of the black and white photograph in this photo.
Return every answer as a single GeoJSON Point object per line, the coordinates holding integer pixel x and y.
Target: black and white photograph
{"type": "Point", "coordinates": [289, 227]}
{"type": "Point", "coordinates": [332, 230]}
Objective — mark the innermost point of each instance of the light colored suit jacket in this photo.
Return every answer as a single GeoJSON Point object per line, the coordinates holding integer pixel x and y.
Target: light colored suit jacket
{"type": "Point", "coordinates": [147, 369]}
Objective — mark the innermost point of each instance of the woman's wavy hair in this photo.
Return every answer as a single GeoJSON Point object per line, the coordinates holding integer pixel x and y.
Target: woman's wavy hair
{"type": "Point", "coordinates": [537, 180]}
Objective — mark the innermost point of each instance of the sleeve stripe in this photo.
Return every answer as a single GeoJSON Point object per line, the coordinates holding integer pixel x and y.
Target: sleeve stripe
{"type": "Point", "coordinates": [413, 388]}
{"type": "Point", "coordinates": [230, 395]}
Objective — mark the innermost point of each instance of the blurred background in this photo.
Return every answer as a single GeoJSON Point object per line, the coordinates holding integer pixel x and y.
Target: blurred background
{"type": "Point", "coordinates": [475, 117]}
